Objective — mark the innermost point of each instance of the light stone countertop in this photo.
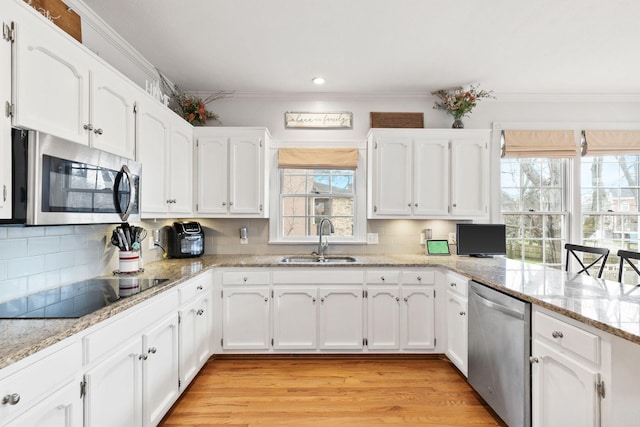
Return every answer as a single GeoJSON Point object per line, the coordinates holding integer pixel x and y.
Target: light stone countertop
{"type": "Point", "coordinates": [605, 305]}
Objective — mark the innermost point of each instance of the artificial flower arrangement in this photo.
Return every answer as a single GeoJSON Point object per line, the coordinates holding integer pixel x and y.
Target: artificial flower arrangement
{"type": "Point", "coordinates": [190, 107]}
{"type": "Point", "coordinates": [458, 101]}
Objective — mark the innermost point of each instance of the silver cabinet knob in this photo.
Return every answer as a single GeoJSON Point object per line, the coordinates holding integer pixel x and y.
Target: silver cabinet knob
{"type": "Point", "coordinates": [88, 126]}
{"type": "Point", "coordinates": [244, 279]}
{"type": "Point", "coordinates": [453, 284]}
{"type": "Point", "coordinates": [266, 299]}
{"type": "Point", "coordinates": [382, 278]}
{"type": "Point", "coordinates": [230, 203]}
{"type": "Point", "coordinates": [462, 313]}
{"type": "Point", "coordinates": [415, 204]}
{"type": "Point", "coordinates": [224, 203]}
{"type": "Point", "coordinates": [199, 288]}
{"type": "Point", "coordinates": [533, 360]}
{"type": "Point", "coordinates": [143, 357]}
{"type": "Point", "coordinates": [397, 298]}
{"type": "Point", "coordinates": [409, 205]}
{"type": "Point", "coordinates": [98, 131]}
{"type": "Point", "coordinates": [153, 350]}
{"type": "Point", "coordinates": [11, 399]}
{"type": "Point", "coordinates": [200, 312]}
{"type": "Point", "coordinates": [557, 334]}
{"type": "Point", "coordinates": [419, 278]}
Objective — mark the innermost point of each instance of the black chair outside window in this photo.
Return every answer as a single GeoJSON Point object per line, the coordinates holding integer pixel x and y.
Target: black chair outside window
{"type": "Point", "coordinates": [628, 257]}
{"type": "Point", "coordinates": [601, 255]}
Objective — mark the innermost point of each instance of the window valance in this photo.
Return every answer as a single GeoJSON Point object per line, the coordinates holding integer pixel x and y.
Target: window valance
{"type": "Point", "coordinates": [318, 158]}
{"type": "Point", "coordinates": [608, 142]}
{"type": "Point", "coordinates": [538, 143]}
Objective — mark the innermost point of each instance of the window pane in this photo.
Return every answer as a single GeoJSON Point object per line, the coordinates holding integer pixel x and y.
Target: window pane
{"type": "Point", "coordinates": [510, 199]}
{"type": "Point", "coordinates": [514, 230]}
{"type": "Point", "coordinates": [510, 173]}
{"type": "Point", "coordinates": [294, 206]}
{"type": "Point", "coordinates": [551, 199]}
{"type": "Point", "coordinates": [553, 252]}
{"type": "Point", "coordinates": [553, 226]}
{"type": "Point", "coordinates": [294, 226]}
{"type": "Point", "coordinates": [531, 199]}
{"type": "Point", "coordinates": [533, 251]}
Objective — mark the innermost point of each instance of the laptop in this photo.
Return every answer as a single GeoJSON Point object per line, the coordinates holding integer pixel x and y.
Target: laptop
{"type": "Point", "coordinates": [438, 247]}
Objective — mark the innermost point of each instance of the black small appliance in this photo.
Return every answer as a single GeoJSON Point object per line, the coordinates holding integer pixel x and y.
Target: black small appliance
{"type": "Point", "coordinates": [185, 239]}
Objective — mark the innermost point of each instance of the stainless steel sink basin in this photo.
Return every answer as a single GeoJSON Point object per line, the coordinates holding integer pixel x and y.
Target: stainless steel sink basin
{"type": "Point", "coordinates": [318, 260]}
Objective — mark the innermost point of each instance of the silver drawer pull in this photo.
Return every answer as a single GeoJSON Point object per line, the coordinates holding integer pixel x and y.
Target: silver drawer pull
{"type": "Point", "coordinates": [462, 313]}
{"type": "Point", "coordinates": [453, 285]}
{"type": "Point", "coordinates": [199, 288]}
{"type": "Point", "coordinates": [11, 399]}
{"type": "Point", "coordinates": [557, 334]}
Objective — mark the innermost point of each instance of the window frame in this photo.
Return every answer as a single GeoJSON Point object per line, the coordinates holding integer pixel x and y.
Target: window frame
{"type": "Point", "coordinates": [276, 235]}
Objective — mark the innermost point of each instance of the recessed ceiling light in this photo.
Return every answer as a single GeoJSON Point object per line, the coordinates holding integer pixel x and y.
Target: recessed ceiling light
{"type": "Point", "coordinates": [318, 80]}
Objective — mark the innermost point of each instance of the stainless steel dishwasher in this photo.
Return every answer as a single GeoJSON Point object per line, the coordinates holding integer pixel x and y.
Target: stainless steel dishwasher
{"type": "Point", "coordinates": [499, 351]}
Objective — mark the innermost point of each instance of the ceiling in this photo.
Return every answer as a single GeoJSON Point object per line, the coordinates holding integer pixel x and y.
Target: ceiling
{"type": "Point", "coordinates": [386, 46]}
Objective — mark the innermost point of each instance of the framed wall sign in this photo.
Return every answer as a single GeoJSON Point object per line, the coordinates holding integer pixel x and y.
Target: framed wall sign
{"type": "Point", "coordinates": [305, 120]}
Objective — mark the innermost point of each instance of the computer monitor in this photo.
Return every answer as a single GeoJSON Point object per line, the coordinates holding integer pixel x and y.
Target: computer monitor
{"type": "Point", "coordinates": [481, 240]}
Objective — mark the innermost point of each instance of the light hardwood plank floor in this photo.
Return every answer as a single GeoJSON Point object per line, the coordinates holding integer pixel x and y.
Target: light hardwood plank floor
{"type": "Point", "coordinates": [329, 392]}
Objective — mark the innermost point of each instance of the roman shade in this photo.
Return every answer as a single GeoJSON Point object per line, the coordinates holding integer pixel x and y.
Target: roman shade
{"type": "Point", "coordinates": [318, 158]}
{"type": "Point", "coordinates": [538, 143]}
{"type": "Point", "coordinates": [607, 142]}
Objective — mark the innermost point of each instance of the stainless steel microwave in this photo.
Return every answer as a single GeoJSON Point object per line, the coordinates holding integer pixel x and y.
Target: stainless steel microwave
{"type": "Point", "coordinates": [56, 181]}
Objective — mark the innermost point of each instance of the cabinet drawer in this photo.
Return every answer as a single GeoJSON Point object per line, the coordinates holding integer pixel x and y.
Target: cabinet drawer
{"type": "Point", "coordinates": [418, 277]}
{"type": "Point", "coordinates": [194, 287]}
{"type": "Point", "coordinates": [382, 276]}
{"type": "Point", "coordinates": [40, 379]}
{"type": "Point", "coordinates": [245, 278]}
{"type": "Point", "coordinates": [457, 284]}
{"type": "Point", "coordinates": [319, 275]}
{"type": "Point", "coordinates": [103, 341]}
{"type": "Point", "coordinates": [568, 337]}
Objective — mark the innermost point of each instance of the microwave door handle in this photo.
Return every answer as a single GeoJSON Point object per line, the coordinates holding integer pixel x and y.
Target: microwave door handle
{"type": "Point", "coordinates": [132, 192]}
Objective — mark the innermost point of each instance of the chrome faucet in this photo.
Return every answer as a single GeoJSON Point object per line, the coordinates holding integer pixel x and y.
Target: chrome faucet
{"type": "Point", "coordinates": [322, 246]}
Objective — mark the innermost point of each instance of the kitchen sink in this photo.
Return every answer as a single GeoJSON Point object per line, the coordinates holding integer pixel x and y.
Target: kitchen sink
{"type": "Point", "coordinates": [318, 260]}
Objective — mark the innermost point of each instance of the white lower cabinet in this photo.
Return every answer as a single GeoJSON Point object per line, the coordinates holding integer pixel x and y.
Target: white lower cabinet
{"type": "Point", "coordinates": [295, 318]}
{"type": "Point", "coordinates": [418, 311]}
{"type": "Point", "coordinates": [61, 409]}
{"type": "Point", "coordinates": [567, 374]}
{"type": "Point", "coordinates": [457, 321]}
{"type": "Point", "coordinates": [245, 318]}
{"type": "Point", "coordinates": [140, 379]}
{"type": "Point", "coordinates": [46, 391]}
{"type": "Point", "coordinates": [195, 336]}
{"type": "Point", "coordinates": [340, 318]}
{"type": "Point", "coordinates": [383, 317]}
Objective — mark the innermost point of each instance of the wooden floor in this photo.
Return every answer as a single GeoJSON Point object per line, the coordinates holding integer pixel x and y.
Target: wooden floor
{"type": "Point", "coordinates": [329, 392]}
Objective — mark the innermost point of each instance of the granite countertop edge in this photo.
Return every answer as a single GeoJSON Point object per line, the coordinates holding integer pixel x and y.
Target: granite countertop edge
{"type": "Point", "coordinates": [22, 338]}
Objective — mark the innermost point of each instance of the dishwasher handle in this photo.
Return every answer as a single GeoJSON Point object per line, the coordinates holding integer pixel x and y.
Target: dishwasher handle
{"type": "Point", "coordinates": [502, 308]}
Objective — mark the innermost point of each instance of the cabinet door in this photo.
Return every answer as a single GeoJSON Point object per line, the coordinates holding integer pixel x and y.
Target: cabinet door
{"type": "Point", "coordinates": [294, 318]}
{"type": "Point", "coordinates": [431, 177]}
{"type": "Point", "coordinates": [563, 390]}
{"type": "Point", "coordinates": [5, 131]}
{"type": "Point", "coordinates": [51, 80]}
{"type": "Point", "coordinates": [418, 318]}
{"type": "Point", "coordinates": [469, 177]}
{"type": "Point", "coordinates": [112, 112]}
{"type": "Point", "coordinates": [62, 409]}
{"type": "Point", "coordinates": [114, 389]}
{"type": "Point", "coordinates": [246, 175]}
{"type": "Point", "coordinates": [212, 181]}
{"type": "Point", "coordinates": [195, 338]}
{"type": "Point", "coordinates": [341, 318]}
{"type": "Point", "coordinates": [457, 334]}
{"type": "Point", "coordinates": [383, 318]}
{"type": "Point", "coordinates": [392, 177]}
{"type": "Point", "coordinates": [245, 318]}
{"type": "Point", "coordinates": [180, 166]}
{"type": "Point", "coordinates": [152, 137]}
{"type": "Point", "coordinates": [160, 370]}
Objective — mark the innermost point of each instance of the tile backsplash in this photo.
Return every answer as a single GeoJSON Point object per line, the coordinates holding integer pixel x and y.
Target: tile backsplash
{"type": "Point", "coordinates": [33, 259]}
{"type": "Point", "coordinates": [37, 258]}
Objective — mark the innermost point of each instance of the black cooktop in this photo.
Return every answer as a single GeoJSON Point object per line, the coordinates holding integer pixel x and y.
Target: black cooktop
{"type": "Point", "coordinates": [76, 299]}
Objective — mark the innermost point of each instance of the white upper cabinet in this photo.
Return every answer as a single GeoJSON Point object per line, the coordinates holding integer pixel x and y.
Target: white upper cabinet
{"type": "Point", "coordinates": [62, 89]}
{"type": "Point", "coordinates": [112, 110]}
{"type": "Point", "coordinates": [5, 127]}
{"type": "Point", "coordinates": [428, 173]}
{"type": "Point", "coordinates": [165, 148]}
{"type": "Point", "coordinates": [232, 174]}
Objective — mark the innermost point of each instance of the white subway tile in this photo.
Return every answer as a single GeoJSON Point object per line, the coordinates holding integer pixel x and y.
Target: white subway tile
{"type": "Point", "coordinates": [73, 274]}
{"type": "Point", "coordinates": [11, 249]}
{"type": "Point", "coordinates": [24, 232]}
{"type": "Point", "coordinates": [43, 245]}
{"type": "Point", "coordinates": [59, 230]}
{"type": "Point", "coordinates": [74, 241]}
{"type": "Point", "coordinates": [25, 266]}
{"type": "Point", "coordinates": [42, 281]}
{"type": "Point", "coordinates": [14, 288]}
{"type": "Point", "coordinates": [59, 260]}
